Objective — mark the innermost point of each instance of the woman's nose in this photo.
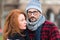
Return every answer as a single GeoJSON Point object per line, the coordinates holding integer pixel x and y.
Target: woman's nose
{"type": "Point", "coordinates": [25, 22]}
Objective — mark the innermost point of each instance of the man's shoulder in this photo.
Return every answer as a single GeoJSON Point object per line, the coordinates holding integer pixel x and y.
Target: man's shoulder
{"type": "Point", "coordinates": [48, 23]}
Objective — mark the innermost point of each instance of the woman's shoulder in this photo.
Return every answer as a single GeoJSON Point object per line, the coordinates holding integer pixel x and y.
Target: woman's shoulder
{"type": "Point", "coordinates": [14, 36]}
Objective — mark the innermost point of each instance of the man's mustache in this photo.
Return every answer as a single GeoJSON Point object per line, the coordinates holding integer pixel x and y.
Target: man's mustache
{"type": "Point", "coordinates": [32, 17]}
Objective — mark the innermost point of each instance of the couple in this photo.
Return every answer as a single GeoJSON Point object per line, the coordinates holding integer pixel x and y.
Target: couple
{"type": "Point", "coordinates": [34, 26]}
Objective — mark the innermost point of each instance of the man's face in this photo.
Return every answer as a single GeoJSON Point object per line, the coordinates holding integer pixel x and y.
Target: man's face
{"type": "Point", "coordinates": [33, 15]}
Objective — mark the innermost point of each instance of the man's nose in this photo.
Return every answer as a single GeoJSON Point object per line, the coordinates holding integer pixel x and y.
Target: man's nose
{"type": "Point", "coordinates": [32, 14]}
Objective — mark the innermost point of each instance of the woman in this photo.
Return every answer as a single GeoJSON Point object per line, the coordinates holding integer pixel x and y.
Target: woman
{"type": "Point", "coordinates": [15, 25]}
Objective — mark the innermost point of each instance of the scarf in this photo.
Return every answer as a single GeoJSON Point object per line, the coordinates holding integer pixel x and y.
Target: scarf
{"type": "Point", "coordinates": [34, 25]}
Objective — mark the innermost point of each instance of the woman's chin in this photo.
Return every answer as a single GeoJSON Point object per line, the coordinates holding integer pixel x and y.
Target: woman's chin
{"type": "Point", "coordinates": [23, 28]}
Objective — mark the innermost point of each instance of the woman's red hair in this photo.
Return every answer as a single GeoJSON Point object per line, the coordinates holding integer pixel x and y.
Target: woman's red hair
{"type": "Point", "coordinates": [11, 23]}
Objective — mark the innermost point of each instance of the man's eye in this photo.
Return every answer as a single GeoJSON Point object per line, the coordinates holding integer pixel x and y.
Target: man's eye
{"type": "Point", "coordinates": [29, 12]}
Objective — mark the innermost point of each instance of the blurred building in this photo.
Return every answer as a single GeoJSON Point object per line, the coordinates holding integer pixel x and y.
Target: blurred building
{"type": "Point", "coordinates": [21, 4]}
{"type": "Point", "coordinates": [8, 5]}
{"type": "Point", "coordinates": [0, 12]}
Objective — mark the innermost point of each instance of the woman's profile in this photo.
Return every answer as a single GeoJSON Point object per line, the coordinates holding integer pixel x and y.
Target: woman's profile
{"type": "Point", "coordinates": [15, 25]}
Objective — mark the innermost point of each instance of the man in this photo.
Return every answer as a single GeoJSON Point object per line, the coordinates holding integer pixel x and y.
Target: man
{"type": "Point", "coordinates": [38, 27]}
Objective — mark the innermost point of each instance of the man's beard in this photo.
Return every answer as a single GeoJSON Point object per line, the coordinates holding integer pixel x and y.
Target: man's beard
{"type": "Point", "coordinates": [32, 19]}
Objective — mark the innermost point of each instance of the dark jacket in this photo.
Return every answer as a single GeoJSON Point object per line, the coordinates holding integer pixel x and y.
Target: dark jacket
{"type": "Point", "coordinates": [48, 32]}
{"type": "Point", "coordinates": [16, 36]}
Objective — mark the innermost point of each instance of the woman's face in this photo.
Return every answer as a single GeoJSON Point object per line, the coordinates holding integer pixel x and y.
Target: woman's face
{"type": "Point", "coordinates": [22, 22]}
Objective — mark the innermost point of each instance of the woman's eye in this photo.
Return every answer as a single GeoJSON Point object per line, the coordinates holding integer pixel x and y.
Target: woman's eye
{"type": "Point", "coordinates": [21, 20]}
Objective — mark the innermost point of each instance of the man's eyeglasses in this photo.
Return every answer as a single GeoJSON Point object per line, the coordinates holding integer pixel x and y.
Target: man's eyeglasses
{"type": "Point", "coordinates": [34, 12]}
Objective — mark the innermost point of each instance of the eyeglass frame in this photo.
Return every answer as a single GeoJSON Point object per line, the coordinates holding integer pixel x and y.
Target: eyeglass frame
{"type": "Point", "coordinates": [34, 12]}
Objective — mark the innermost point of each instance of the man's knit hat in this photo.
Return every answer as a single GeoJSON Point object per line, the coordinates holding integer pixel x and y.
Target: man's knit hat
{"type": "Point", "coordinates": [34, 4]}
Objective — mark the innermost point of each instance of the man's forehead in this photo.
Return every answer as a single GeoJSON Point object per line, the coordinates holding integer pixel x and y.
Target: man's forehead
{"type": "Point", "coordinates": [32, 9]}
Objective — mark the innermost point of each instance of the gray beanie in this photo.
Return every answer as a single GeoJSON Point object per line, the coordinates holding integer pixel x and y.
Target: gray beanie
{"type": "Point", "coordinates": [34, 4]}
